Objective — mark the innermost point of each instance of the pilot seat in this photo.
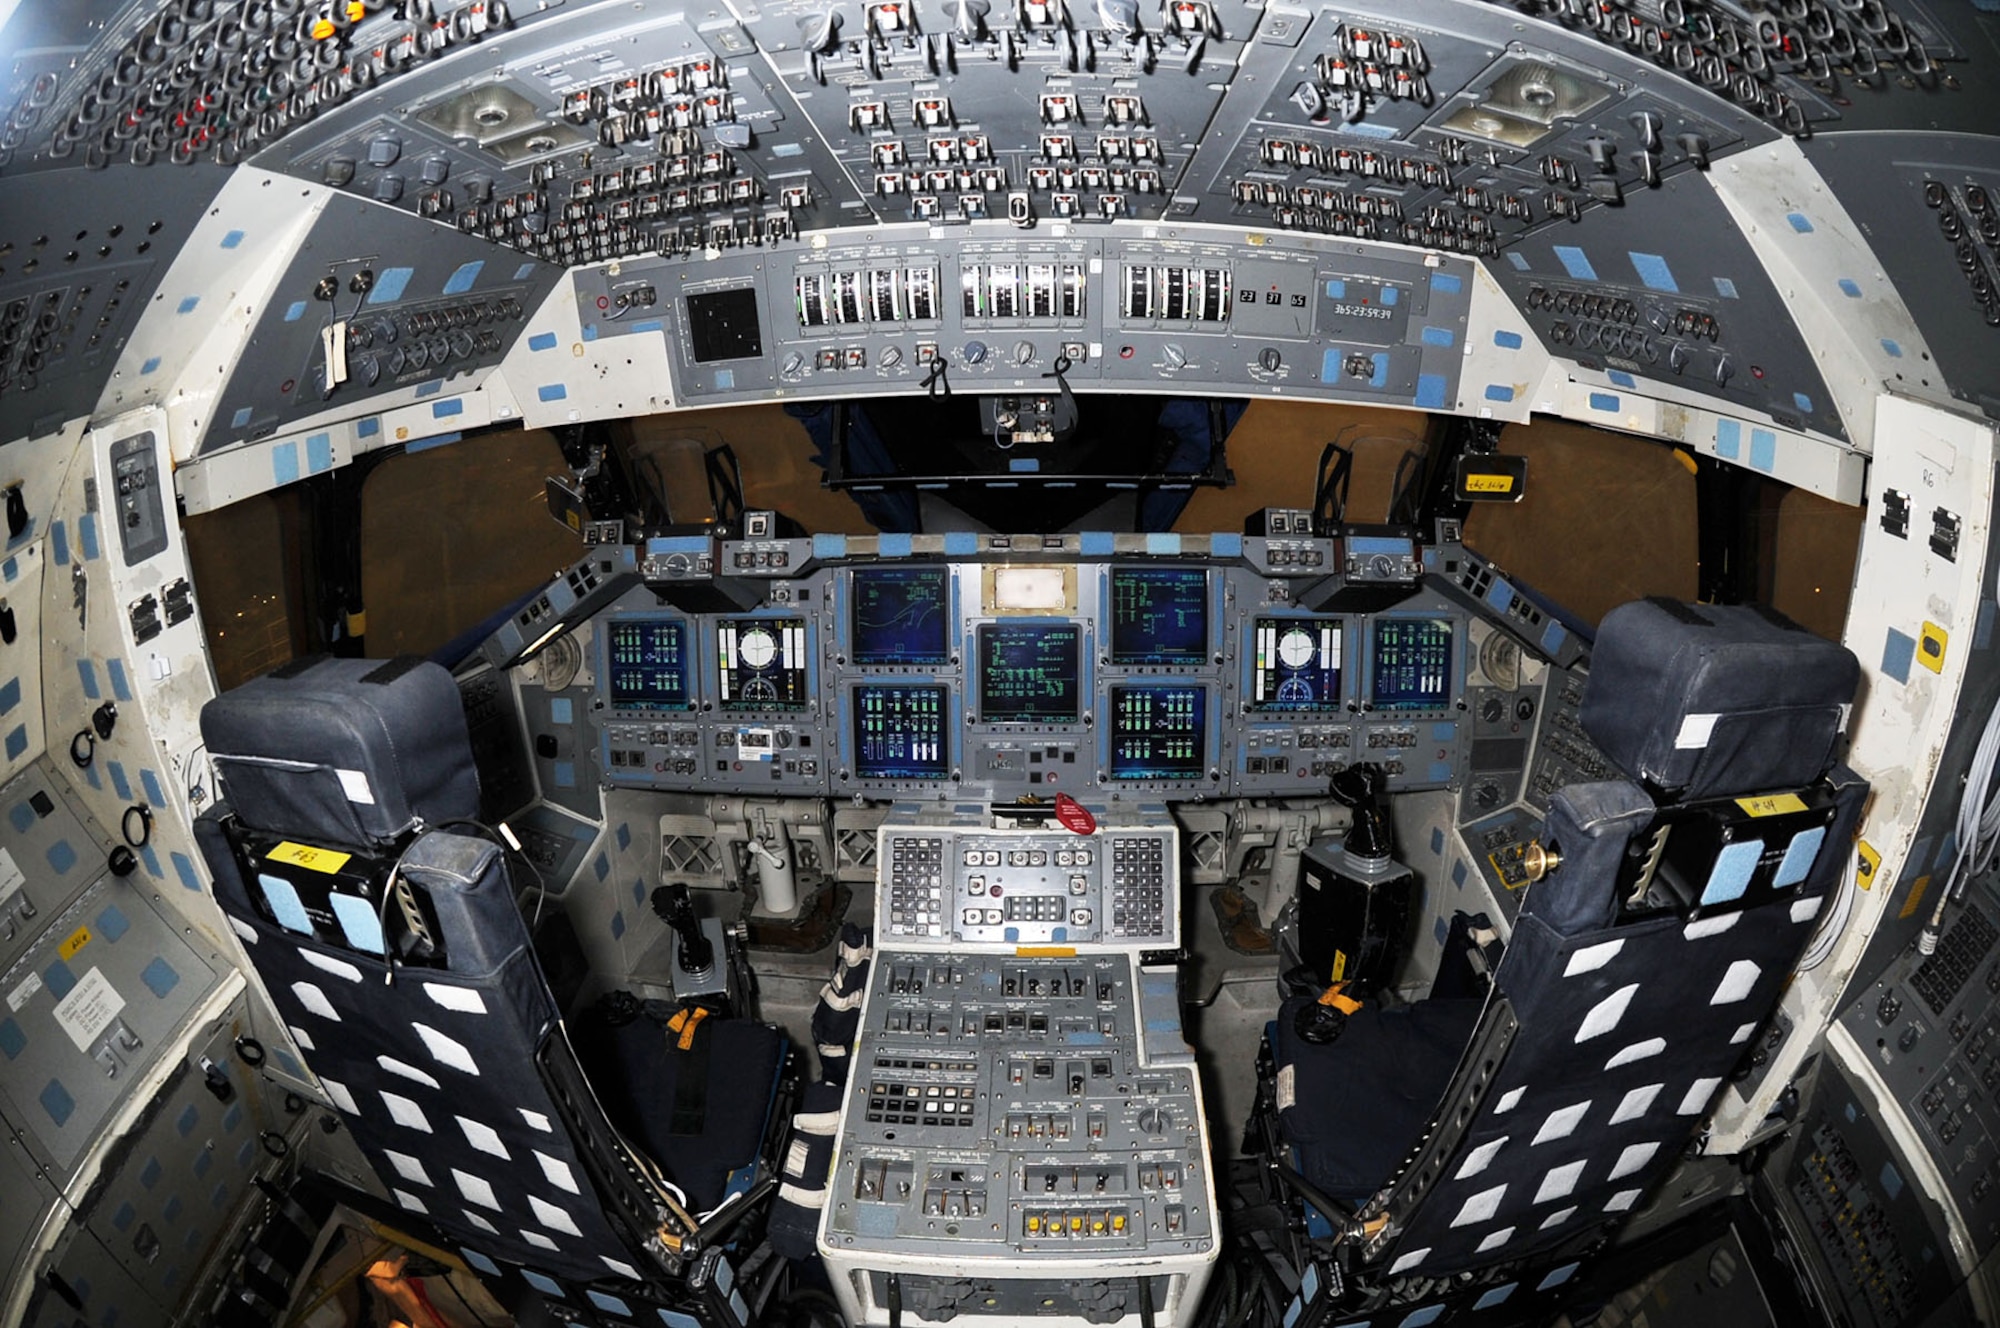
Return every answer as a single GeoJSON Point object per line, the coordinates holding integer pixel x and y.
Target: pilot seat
{"type": "Point", "coordinates": [383, 921]}
{"type": "Point", "coordinates": [1461, 1157]}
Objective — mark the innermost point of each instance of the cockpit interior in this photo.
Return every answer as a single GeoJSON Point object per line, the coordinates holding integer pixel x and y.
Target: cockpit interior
{"type": "Point", "coordinates": [885, 663]}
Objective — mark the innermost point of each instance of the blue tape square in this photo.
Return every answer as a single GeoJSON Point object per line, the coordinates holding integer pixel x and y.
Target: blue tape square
{"type": "Point", "coordinates": [1336, 289]}
{"type": "Point", "coordinates": [1763, 449]}
{"type": "Point", "coordinates": [1728, 439]}
{"type": "Point", "coordinates": [319, 453]}
{"type": "Point", "coordinates": [1380, 378]}
{"type": "Point", "coordinates": [119, 783]}
{"type": "Point", "coordinates": [23, 816]}
{"type": "Point", "coordinates": [480, 1261]}
{"type": "Point", "coordinates": [1803, 402]}
{"type": "Point", "coordinates": [1622, 379]}
{"type": "Point", "coordinates": [240, 418]}
{"type": "Point", "coordinates": [368, 428]}
{"type": "Point", "coordinates": [1446, 283]}
{"type": "Point", "coordinates": [1439, 336]}
{"type": "Point", "coordinates": [1898, 650]}
{"type": "Point", "coordinates": [295, 311]}
{"type": "Point", "coordinates": [10, 695]}
{"type": "Point", "coordinates": [1849, 288]}
{"type": "Point", "coordinates": [1605, 401]}
{"type": "Point", "coordinates": [160, 977]}
{"type": "Point", "coordinates": [17, 741]}
{"type": "Point", "coordinates": [150, 1174]}
{"type": "Point", "coordinates": [188, 304]}
{"type": "Point", "coordinates": [1507, 340]}
{"type": "Point", "coordinates": [12, 1040]}
{"type": "Point", "coordinates": [1499, 392]}
{"type": "Point", "coordinates": [59, 978]}
{"type": "Point", "coordinates": [1391, 297]}
{"type": "Point", "coordinates": [1430, 391]}
{"type": "Point", "coordinates": [152, 861]}
{"type": "Point", "coordinates": [60, 534]}
{"type": "Point", "coordinates": [390, 285]}
{"type": "Point", "coordinates": [112, 923]}
{"type": "Point", "coordinates": [542, 341]}
{"type": "Point", "coordinates": [151, 365]}
{"type": "Point", "coordinates": [184, 868]}
{"type": "Point", "coordinates": [189, 1119]}
{"type": "Point", "coordinates": [958, 543]}
{"type": "Point", "coordinates": [1730, 875]}
{"type": "Point", "coordinates": [430, 389]}
{"type": "Point", "coordinates": [523, 272]}
{"type": "Point", "coordinates": [460, 281]}
{"type": "Point", "coordinates": [61, 857]}
{"type": "Point", "coordinates": [1518, 259]}
{"type": "Point", "coordinates": [232, 239]}
{"type": "Point", "coordinates": [895, 544]}
{"type": "Point", "coordinates": [150, 782]}
{"type": "Point", "coordinates": [1429, 1314]}
{"type": "Point", "coordinates": [564, 773]}
{"type": "Point", "coordinates": [86, 673]}
{"type": "Point", "coordinates": [285, 463]}
{"type": "Point", "coordinates": [1495, 1296]}
{"type": "Point", "coordinates": [546, 1285]}
{"type": "Point", "coordinates": [1799, 222]}
{"type": "Point", "coordinates": [1575, 262]}
{"type": "Point", "coordinates": [562, 710]}
{"type": "Point", "coordinates": [441, 409]}
{"type": "Point", "coordinates": [58, 1103]}
{"type": "Point", "coordinates": [552, 392]}
{"type": "Point", "coordinates": [618, 925]}
{"type": "Point", "coordinates": [1653, 270]}
{"type": "Point", "coordinates": [1163, 543]}
{"type": "Point", "coordinates": [601, 867]}
{"type": "Point", "coordinates": [1799, 856]}
{"type": "Point", "coordinates": [120, 688]}
{"type": "Point", "coordinates": [623, 836]}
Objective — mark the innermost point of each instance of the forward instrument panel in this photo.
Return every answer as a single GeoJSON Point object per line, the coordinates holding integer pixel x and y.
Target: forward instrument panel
{"type": "Point", "coordinates": [989, 667]}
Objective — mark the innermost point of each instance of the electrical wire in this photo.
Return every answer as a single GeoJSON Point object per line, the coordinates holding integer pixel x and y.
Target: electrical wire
{"type": "Point", "coordinates": [1977, 830]}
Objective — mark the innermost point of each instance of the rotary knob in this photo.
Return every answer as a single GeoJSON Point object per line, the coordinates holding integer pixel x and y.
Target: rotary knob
{"type": "Point", "coordinates": [1174, 355]}
{"type": "Point", "coordinates": [1024, 351]}
{"type": "Point", "coordinates": [1270, 359]}
{"type": "Point", "coordinates": [795, 364]}
{"type": "Point", "coordinates": [975, 352]}
{"type": "Point", "coordinates": [890, 358]}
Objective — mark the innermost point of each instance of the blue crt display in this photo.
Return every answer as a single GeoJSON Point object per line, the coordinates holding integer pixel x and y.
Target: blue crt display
{"type": "Point", "coordinates": [899, 732]}
{"type": "Point", "coordinates": [1295, 664]}
{"type": "Point", "coordinates": [1159, 615]}
{"type": "Point", "coordinates": [899, 615]}
{"type": "Point", "coordinates": [1412, 664]}
{"type": "Point", "coordinates": [647, 658]}
{"type": "Point", "coordinates": [1159, 731]}
{"type": "Point", "coordinates": [1028, 672]}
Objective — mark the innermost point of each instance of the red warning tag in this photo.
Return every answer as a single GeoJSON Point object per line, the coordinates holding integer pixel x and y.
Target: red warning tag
{"type": "Point", "coordinates": [1074, 815]}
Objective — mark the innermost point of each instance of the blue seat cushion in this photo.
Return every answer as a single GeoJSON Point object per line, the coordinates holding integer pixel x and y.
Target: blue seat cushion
{"type": "Point", "coordinates": [1352, 1109]}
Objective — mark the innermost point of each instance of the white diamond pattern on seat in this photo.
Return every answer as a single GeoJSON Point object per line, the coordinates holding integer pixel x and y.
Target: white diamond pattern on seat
{"type": "Point", "coordinates": [536, 1120]}
{"type": "Point", "coordinates": [558, 1172]}
{"type": "Point", "coordinates": [1714, 925]}
{"type": "Point", "coordinates": [1634, 1157]}
{"type": "Point", "coordinates": [1621, 1201]}
{"type": "Point", "coordinates": [341, 1097]}
{"type": "Point", "coordinates": [1805, 910]}
{"type": "Point", "coordinates": [1698, 1094]}
{"type": "Point", "coordinates": [552, 1217]}
{"type": "Point", "coordinates": [407, 1071]}
{"type": "Point", "coordinates": [1480, 1158]}
{"type": "Point", "coordinates": [537, 1239]}
{"type": "Point", "coordinates": [1495, 1240]}
{"type": "Point", "coordinates": [1408, 1261]}
{"type": "Point", "coordinates": [339, 968]}
{"type": "Point", "coordinates": [315, 1000]}
{"type": "Point", "coordinates": [1736, 983]}
{"type": "Point", "coordinates": [1508, 1100]}
{"type": "Point", "coordinates": [1559, 1182]}
{"type": "Point", "coordinates": [409, 1201]}
{"type": "Point", "coordinates": [409, 1168]}
{"type": "Point", "coordinates": [1561, 1123]}
{"type": "Point", "coordinates": [1592, 957]}
{"type": "Point", "coordinates": [302, 1038]}
{"type": "Point", "coordinates": [476, 1189]}
{"type": "Point", "coordinates": [1742, 1034]}
{"type": "Point", "coordinates": [1606, 1014]}
{"type": "Point", "coordinates": [484, 1137]}
{"type": "Point", "coordinates": [462, 999]}
{"type": "Point", "coordinates": [1557, 1218]}
{"type": "Point", "coordinates": [446, 1051]}
{"type": "Point", "coordinates": [620, 1267]}
{"type": "Point", "coordinates": [405, 1112]}
{"type": "Point", "coordinates": [480, 1222]}
{"type": "Point", "coordinates": [1480, 1206]}
{"type": "Point", "coordinates": [1638, 1051]}
{"type": "Point", "coordinates": [1635, 1103]}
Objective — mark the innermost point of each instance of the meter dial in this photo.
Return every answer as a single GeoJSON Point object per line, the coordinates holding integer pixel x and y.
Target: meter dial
{"type": "Point", "coordinates": [756, 648]}
{"type": "Point", "coordinates": [1296, 648]}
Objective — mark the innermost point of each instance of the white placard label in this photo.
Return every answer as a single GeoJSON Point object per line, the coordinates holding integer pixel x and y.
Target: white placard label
{"type": "Point", "coordinates": [10, 876]}
{"type": "Point", "coordinates": [1695, 730]}
{"type": "Point", "coordinates": [24, 993]}
{"type": "Point", "coordinates": [355, 785]}
{"type": "Point", "coordinates": [89, 1009]}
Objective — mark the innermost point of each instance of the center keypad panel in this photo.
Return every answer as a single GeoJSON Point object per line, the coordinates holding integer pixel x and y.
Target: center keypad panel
{"type": "Point", "coordinates": [1029, 887]}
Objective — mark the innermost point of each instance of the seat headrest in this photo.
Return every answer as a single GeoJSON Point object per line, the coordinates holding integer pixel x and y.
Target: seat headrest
{"type": "Point", "coordinates": [1710, 700]}
{"type": "Point", "coordinates": [349, 751]}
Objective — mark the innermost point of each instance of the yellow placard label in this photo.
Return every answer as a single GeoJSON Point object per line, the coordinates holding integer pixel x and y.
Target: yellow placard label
{"type": "Point", "coordinates": [1931, 642]}
{"type": "Point", "coordinates": [1489, 484]}
{"type": "Point", "coordinates": [305, 855]}
{"type": "Point", "coordinates": [1772, 804]}
{"type": "Point", "coordinates": [77, 940]}
{"type": "Point", "coordinates": [1339, 966]}
{"type": "Point", "coordinates": [1916, 899]}
{"type": "Point", "coordinates": [1045, 952]}
{"type": "Point", "coordinates": [1864, 871]}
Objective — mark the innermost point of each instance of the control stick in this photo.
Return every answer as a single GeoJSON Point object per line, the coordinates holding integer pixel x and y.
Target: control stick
{"type": "Point", "coordinates": [676, 908]}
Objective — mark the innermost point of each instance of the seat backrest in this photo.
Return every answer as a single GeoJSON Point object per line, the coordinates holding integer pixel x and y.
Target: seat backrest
{"type": "Point", "coordinates": [430, 1066]}
{"type": "Point", "coordinates": [1642, 966]}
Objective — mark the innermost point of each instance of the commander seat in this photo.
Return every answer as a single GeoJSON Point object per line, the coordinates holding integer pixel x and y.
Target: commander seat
{"type": "Point", "coordinates": [383, 923]}
{"type": "Point", "coordinates": [1462, 1156]}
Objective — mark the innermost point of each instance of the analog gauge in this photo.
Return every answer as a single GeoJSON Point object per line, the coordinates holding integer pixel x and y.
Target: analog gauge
{"type": "Point", "coordinates": [757, 648]}
{"type": "Point", "coordinates": [1296, 648]}
{"type": "Point", "coordinates": [1500, 660]}
{"type": "Point", "coordinates": [759, 690]}
{"type": "Point", "coordinates": [560, 662]}
{"type": "Point", "coordinates": [1295, 692]}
